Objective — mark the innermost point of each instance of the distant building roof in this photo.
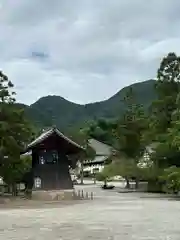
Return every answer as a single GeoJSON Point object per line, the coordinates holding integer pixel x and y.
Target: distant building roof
{"type": "Point", "coordinates": [100, 148]}
{"type": "Point", "coordinates": [29, 153]}
{"type": "Point", "coordinates": [152, 147]}
{"type": "Point", "coordinates": [103, 151]}
{"type": "Point", "coordinates": [96, 160]}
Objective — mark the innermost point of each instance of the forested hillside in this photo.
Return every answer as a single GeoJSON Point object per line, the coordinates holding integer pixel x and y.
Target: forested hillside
{"type": "Point", "coordinates": [55, 110]}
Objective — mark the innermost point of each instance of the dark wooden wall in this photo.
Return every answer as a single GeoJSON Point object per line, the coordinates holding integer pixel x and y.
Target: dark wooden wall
{"type": "Point", "coordinates": [53, 176]}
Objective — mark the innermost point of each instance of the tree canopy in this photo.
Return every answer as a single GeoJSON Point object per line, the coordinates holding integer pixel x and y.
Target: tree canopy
{"type": "Point", "coordinates": [138, 128]}
{"type": "Point", "coordinates": [15, 131]}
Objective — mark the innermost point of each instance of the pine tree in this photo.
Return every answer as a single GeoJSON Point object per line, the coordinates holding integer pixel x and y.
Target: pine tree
{"type": "Point", "coordinates": [130, 137]}
{"type": "Point", "coordinates": [15, 132]}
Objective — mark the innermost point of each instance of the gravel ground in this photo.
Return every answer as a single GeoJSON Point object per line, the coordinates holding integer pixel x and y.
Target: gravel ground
{"type": "Point", "coordinates": [111, 215]}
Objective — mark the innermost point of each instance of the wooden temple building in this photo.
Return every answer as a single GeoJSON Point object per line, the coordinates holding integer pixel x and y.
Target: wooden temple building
{"type": "Point", "coordinates": [52, 157]}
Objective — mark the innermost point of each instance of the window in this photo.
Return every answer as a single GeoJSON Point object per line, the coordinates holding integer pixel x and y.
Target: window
{"type": "Point", "coordinates": [37, 182]}
{"type": "Point", "coordinates": [48, 157]}
{"type": "Point", "coordinates": [95, 170]}
{"type": "Point", "coordinates": [41, 159]}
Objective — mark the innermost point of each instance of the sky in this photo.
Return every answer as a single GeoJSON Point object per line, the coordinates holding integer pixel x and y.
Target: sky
{"type": "Point", "coordinates": [84, 50]}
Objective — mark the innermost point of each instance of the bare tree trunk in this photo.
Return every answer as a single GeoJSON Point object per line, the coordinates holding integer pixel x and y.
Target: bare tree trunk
{"type": "Point", "coordinates": [14, 190]}
{"type": "Point", "coordinates": [127, 183]}
{"type": "Point", "coordinates": [82, 174]}
{"type": "Point", "coordinates": [136, 183]}
{"type": "Point", "coordinates": [94, 178]}
{"type": "Point", "coordinates": [28, 193]}
{"type": "Point", "coordinates": [105, 181]}
{"type": "Point", "coordinates": [3, 189]}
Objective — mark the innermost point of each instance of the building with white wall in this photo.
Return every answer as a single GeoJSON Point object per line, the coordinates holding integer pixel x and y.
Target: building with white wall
{"type": "Point", "coordinates": [103, 152]}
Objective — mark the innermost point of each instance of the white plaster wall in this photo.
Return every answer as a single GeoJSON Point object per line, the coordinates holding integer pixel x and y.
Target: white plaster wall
{"type": "Point", "coordinates": [94, 167]}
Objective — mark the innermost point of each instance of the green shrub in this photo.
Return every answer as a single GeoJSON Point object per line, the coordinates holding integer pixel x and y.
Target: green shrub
{"type": "Point", "coordinates": [100, 176]}
{"type": "Point", "coordinates": [171, 179]}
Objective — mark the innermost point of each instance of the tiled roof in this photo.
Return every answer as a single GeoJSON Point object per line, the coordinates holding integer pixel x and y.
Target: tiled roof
{"type": "Point", "coordinates": [98, 159]}
{"type": "Point", "coordinates": [100, 148]}
{"type": "Point", "coordinates": [47, 134]}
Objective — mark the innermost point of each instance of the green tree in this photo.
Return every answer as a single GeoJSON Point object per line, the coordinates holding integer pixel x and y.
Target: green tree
{"type": "Point", "coordinates": [107, 172]}
{"type": "Point", "coordinates": [15, 132]}
{"type": "Point", "coordinates": [164, 117]}
{"type": "Point", "coordinates": [167, 88]}
{"type": "Point", "coordinates": [164, 121]}
{"type": "Point", "coordinates": [101, 130]}
{"type": "Point", "coordinates": [130, 137]}
{"type": "Point", "coordinates": [171, 178]}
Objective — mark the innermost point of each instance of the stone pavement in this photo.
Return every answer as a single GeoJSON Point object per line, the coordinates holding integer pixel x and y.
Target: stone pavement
{"type": "Point", "coordinates": [110, 215]}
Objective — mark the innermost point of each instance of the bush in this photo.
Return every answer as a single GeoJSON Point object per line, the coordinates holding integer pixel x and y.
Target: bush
{"type": "Point", "coordinates": [171, 179]}
{"type": "Point", "coordinates": [155, 187]}
{"type": "Point", "coordinates": [100, 177]}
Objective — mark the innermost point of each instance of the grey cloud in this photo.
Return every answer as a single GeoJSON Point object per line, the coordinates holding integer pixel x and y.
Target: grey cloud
{"type": "Point", "coordinates": [84, 50]}
{"type": "Point", "coordinates": [29, 13]}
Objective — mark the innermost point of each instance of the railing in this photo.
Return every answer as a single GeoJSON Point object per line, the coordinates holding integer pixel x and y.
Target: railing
{"type": "Point", "coordinates": [84, 195]}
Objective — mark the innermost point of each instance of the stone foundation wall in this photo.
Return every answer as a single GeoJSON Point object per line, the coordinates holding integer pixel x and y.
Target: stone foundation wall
{"type": "Point", "coordinates": [55, 195]}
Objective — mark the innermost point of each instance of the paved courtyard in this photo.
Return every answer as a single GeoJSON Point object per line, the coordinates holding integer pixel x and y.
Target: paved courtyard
{"type": "Point", "coordinates": [111, 215]}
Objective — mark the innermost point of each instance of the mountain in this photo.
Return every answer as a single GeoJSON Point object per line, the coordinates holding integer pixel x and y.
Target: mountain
{"type": "Point", "coordinates": [55, 110]}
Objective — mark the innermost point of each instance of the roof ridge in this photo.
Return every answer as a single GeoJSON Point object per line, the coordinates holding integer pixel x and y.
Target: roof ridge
{"type": "Point", "coordinates": [101, 142]}
{"type": "Point", "coordinates": [44, 135]}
